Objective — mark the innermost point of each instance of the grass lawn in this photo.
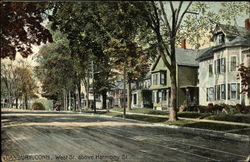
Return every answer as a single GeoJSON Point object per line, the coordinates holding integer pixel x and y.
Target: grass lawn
{"type": "Point", "coordinates": [143, 111]}
{"type": "Point", "coordinates": [193, 115]}
{"type": "Point", "coordinates": [185, 123]}
{"type": "Point", "coordinates": [243, 118]}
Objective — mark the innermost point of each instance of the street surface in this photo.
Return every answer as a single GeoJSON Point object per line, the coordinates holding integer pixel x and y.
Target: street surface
{"type": "Point", "coordinates": [59, 136]}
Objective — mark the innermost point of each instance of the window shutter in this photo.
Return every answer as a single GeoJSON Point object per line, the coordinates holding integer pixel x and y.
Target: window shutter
{"type": "Point", "coordinates": [225, 67]}
{"type": "Point", "coordinates": [153, 96]}
{"type": "Point", "coordinates": [207, 94]}
{"type": "Point", "coordinates": [218, 65]}
{"type": "Point", "coordinates": [238, 91]}
{"type": "Point", "coordinates": [165, 78]}
{"type": "Point", "coordinates": [215, 93]}
{"type": "Point", "coordinates": [218, 92]}
{"type": "Point", "coordinates": [215, 71]}
{"type": "Point", "coordinates": [228, 90]}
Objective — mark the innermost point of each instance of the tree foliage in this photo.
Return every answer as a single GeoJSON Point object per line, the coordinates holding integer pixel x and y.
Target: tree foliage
{"type": "Point", "coordinates": [56, 68]}
{"type": "Point", "coordinates": [17, 82]}
{"type": "Point", "coordinates": [21, 27]}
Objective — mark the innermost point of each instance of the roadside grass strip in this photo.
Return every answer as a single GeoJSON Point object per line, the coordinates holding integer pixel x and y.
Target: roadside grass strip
{"type": "Point", "coordinates": [239, 129]}
{"type": "Point", "coordinates": [241, 118]}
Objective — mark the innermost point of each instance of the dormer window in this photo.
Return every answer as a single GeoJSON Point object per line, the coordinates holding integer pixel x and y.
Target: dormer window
{"type": "Point", "coordinates": [220, 39]}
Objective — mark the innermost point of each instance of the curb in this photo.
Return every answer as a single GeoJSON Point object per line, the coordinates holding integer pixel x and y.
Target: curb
{"type": "Point", "coordinates": [198, 131]}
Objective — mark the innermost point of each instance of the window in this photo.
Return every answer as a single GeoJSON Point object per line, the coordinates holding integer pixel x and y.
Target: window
{"type": "Point", "coordinates": [163, 78]}
{"type": "Point", "coordinates": [157, 79]}
{"type": "Point", "coordinates": [234, 91]}
{"type": "Point", "coordinates": [219, 66]}
{"type": "Point", "coordinates": [159, 97]}
{"type": "Point", "coordinates": [233, 63]}
{"type": "Point", "coordinates": [210, 67]}
{"type": "Point", "coordinates": [223, 91]}
{"type": "Point", "coordinates": [222, 65]}
{"type": "Point", "coordinates": [210, 94]}
{"type": "Point", "coordinates": [155, 76]}
{"type": "Point", "coordinates": [233, 88]}
{"type": "Point", "coordinates": [220, 39]}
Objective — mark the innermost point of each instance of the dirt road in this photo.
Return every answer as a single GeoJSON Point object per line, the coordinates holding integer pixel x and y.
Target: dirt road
{"type": "Point", "coordinates": [57, 136]}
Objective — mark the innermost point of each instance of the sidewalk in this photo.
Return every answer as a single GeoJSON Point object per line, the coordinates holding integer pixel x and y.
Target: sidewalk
{"type": "Point", "coordinates": [190, 119]}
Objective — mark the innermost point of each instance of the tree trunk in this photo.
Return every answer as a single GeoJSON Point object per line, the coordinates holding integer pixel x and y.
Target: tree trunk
{"type": "Point", "coordinates": [9, 100]}
{"type": "Point", "coordinates": [104, 99]}
{"type": "Point", "coordinates": [75, 101]}
{"type": "Point", "coordinates": [129, 95]}
{"type": "Point", "coordinates": [79, 96]}
{"type": "Point", "coordinates": [173, 97]}
{"type": "Point", "coordinates": [65, 99]}
{"type": "Point", "coordinates": [124, 90]}
{"type": "Point", "coordinates": [26, 101]}
{"type": "Point", "coordinates": [17, 103]}
{"type": "Point", "coordinates": [86, 84]}
{"type": "Point", "coordinates": [69, 106]}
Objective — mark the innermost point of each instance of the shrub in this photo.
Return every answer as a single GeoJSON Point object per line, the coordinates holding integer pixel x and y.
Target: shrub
{"type": "Point", "coordinates": [230, 109]}
{"type": "Point", "coordinates": [37, 106]}
{"type": "Point", "coordinates": [201, 109]}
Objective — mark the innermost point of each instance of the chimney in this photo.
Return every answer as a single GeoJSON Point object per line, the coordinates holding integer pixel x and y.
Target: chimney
{"type": "Point", "coordinates": [247, 24]}
{"type": "Point", "coordinates": [183, 43]}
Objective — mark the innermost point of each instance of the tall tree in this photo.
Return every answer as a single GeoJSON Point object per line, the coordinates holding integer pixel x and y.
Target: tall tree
{"type": "Point", "coordinates": [26, 83]}
{"type": "Point", "coordinates": [56, 69]}
{"type": "Point", "coordinates": [98, 28]}
{"type": "Point", "coordinates": [170, 27]}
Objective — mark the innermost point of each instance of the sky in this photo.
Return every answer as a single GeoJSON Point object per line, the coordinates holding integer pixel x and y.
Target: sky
{"type": "Point", "coordinates": [215, 6]}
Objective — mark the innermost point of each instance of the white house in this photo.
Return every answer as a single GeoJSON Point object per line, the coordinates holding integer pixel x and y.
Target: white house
{"type": "Point", "coordinates": [217, 74]}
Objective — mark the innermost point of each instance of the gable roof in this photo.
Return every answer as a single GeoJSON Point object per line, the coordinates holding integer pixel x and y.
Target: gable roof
{"type": "Point", "coordinates": [184, 57]}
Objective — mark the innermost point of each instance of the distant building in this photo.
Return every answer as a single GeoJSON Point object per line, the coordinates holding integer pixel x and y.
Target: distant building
{"type": "Point", "coordinates": [218, 71]}
{"type": "Point", "coordinates": [142, 95]}
{"type": "Point", "coordinates": [116, 94]}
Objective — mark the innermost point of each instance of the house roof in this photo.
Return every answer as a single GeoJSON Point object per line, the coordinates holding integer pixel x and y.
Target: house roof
{"type": "Point", "coordinates": [184, 57]}
{"type": "Point", "coordinates": [239, 41]}
{"type": "Point", "coordinates": [239, 37]}
{"type": "Point", "coordinates": [209, 52]}
{"type": "Point", "coordinates": [232, 30]}
{"type": "Point", "coordinates": [119, 84]}
{"type": "Point", "coordinates": [246, 50]}
{"type": "Point", "coordinates": [205, 53]}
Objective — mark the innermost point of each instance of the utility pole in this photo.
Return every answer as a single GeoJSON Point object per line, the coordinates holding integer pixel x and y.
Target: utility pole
{"type": "Point", "coordinates": [93, 81]}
